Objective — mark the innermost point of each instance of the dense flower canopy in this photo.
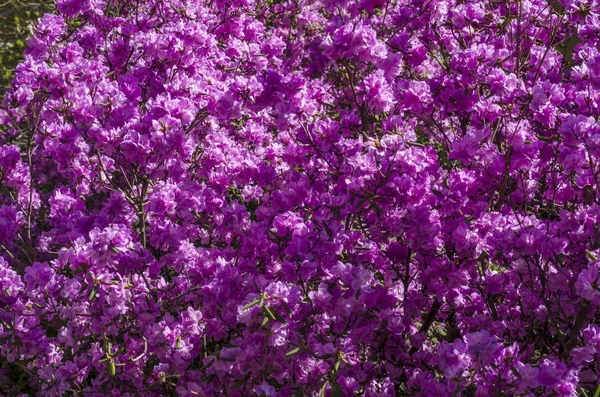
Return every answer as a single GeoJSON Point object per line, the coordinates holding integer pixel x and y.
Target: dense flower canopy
{"type": "Point", "coordinates": [303, 198]}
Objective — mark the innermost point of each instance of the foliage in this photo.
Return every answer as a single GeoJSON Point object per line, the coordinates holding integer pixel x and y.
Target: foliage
{"type": "Point", "coordinates": [16, 20]}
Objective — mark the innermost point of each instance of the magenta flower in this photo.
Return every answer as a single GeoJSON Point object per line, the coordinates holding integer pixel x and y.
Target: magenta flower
{"type": "Point", "coordinates": [281, 198]}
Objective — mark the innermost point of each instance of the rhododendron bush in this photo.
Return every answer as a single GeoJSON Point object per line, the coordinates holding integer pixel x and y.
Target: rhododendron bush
{"type": "Point", "coordinates": [303, 198]}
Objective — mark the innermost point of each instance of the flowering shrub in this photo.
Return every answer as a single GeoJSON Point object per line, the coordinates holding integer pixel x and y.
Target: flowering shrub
{"type": "Point", "coordinates": [303, 198]}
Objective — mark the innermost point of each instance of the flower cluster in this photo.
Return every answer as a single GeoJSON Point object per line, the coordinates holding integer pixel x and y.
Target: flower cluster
{"type": "Point", "coordinates": [303, 198]}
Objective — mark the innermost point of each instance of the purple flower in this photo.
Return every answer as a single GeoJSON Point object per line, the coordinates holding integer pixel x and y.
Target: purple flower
{"type": "Point", "coordinates": [587, 283]}
{"type": "Point", "coordinates": [298, 197]}
{"type": "Point", "coordinates": [551, 372]}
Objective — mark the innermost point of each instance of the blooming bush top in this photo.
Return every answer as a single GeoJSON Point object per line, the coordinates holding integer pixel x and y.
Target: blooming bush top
{"type": "Point", "coordinates": [302, 198]}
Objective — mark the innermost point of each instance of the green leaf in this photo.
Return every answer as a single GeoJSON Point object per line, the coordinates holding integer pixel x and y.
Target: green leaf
{"type": "Point", "coordinates": [238, 384]}
{"type": "Point", "coordinates": [597, 393]}
{"type": "Point", "coordinates": [584, 394]}
{"type": "Point", "coordinates": [287, 308]}
{"type": "Point", "coordinates": [336, 366]}
{"type": "Point", "coordinates": [93, 293]}
{"type": "Point", "coordinates": [292, 352]}
{"type": "Point", "coordinates": [253, 303]}
{"type": "Point", "coordinates": [515, 372]}
{"type": "Point", "coordinates": [457, 390]}
{"type": "Point", "coordinates": [177, 10]}
{"type": "Point", "coordinates": [322, 390]}
{"type": "Point", "coordinates": [324, 356]}
{"type": "Point", "coordinates": [591, 256]}
{"type": "Point", "coordinates": [567, 48]}
{"type": "Point", "coordinates": [336, 390]}
{"type": "Point", "coordinates": [269, 313]}
{"type": "Point", "coordinates": [546, 138]}
{"type": "Point", "coordinates": [112, 369]}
